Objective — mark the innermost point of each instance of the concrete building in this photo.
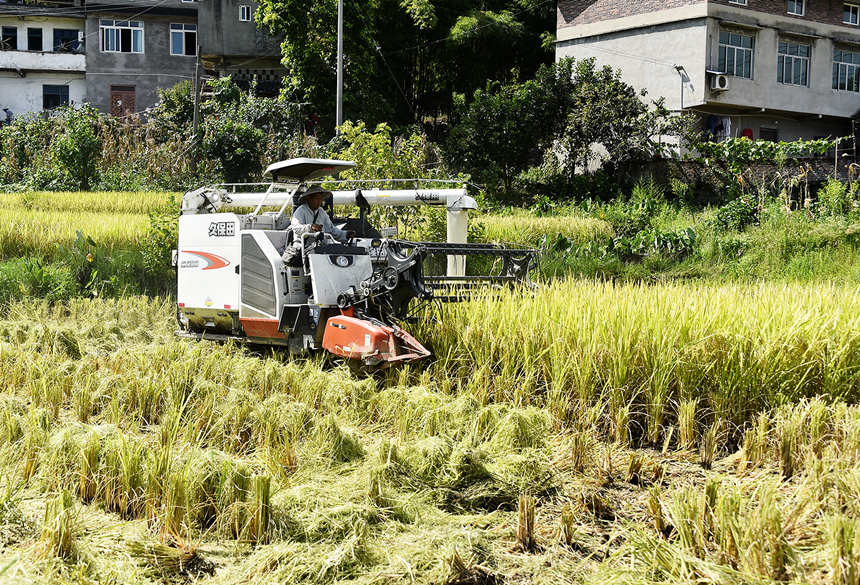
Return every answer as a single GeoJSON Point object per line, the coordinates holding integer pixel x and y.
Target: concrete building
{"type": "Point", "coordinates": [137, 48]}
{"type": "Point", "coordinates": [42, 60]}
{"type": "Point", "coordinates": [232, 44]}
{"type": "Point", "coordinates": [766, 69]}
{"type": "Point", "coordinates": [117, 56]}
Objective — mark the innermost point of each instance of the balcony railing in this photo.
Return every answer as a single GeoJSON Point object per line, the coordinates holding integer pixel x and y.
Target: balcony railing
{"type": "Point", "coordinates": [42, 61]}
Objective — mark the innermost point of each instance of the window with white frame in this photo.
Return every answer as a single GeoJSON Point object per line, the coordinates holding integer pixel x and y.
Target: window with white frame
{"type": "Point", "coordinates": [851, 14]}
{"type": "Point", "coordinates": [183, 39]}
{"type": "Point", "coordinates": [121, 36]}
{"type": "Point", "coordinates": [739, 2]}
{"type": "Point", "coordinates": [797, 7]}
{"type": "Point", "coordinates": [736, 54]}
{"type": "Point", "coordinates": [846, 70]}
{"type": "Point", "coordinates": [793, 63]}
{"type": "Point", "coordinates": [245, 13]}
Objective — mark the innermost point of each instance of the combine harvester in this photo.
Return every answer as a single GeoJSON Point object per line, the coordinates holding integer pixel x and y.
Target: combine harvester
{"type": "Point", "coordinates": [346, 298]}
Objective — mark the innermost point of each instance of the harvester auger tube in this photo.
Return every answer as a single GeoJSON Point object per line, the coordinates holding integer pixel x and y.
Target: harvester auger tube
{"type": "Point", "coordinates": [337, 284]}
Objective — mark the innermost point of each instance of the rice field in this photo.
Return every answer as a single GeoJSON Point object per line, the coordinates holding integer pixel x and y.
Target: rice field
{"type": "Point", "coordinates": [35, 224]}
{"type": "Point", "coordinates": [582, 433]}
{"type": "Point", "coordinates": [532, 231]}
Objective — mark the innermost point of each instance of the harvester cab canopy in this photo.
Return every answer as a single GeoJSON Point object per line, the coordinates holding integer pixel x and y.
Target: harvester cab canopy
{"type": "Point", "coordinates": [305, 169]}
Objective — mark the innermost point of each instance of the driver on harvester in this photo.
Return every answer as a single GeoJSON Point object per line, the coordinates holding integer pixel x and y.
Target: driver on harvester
{"type": "Point", "coordinates": [310, 216]}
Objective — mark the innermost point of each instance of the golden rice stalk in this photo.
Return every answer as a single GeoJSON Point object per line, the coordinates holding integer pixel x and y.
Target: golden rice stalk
{"type": "Point", "coordinates": [526, 523]}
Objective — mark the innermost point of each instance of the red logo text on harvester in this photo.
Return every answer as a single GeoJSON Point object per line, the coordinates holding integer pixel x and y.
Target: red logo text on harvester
{"type": "Point", "coordinates": [212, 261]}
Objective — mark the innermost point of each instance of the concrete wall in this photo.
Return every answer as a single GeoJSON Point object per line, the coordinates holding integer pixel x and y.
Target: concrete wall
{"type": "Point", "coordinates": [644, 40]}
{"type": "Point", "coordinates": [23, 72]}
{"type": "Point", "coordinates": [646, 58]}
{"type": "Point", "coordinates": [45, 61]}
{"type": "Point", "coordinates": [149, 71]}
{"type": "Point", "coordinates": [577, 13]}
{"type": "Point", "coordinates": [24, 94]}
{"type": "Point", "coordinates": [581, 12]}
{"type": "Point", "coordinates": [222, 33]}
{"type": "Point", "coordinates": [819, 11]}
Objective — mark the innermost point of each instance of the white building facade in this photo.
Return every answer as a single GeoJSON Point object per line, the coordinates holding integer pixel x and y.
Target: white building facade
{"type": "Point", "coordinates": [42, 61]}
{"type": "Point", "coordinates": [764, 69]}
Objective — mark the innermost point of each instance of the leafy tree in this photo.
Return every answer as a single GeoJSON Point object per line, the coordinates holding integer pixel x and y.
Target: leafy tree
{"type": "Point", "coordinates": [404, 59]}
{"type": "Point", "coordinates": [174, 112]}
{"type": "Point", "coordinates": [558, 117]}
{"type": "Point", "coordinates": [240, 131]}
{"type": "Point", "coordinates": [501, 132]}
{"type": "Point", "coordinates": [604, 111]}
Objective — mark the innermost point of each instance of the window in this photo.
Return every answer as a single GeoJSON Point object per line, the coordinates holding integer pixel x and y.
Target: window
{"type": "Point", "coordinates": [793, 63]}
{"type": "Point", "coordinates": [797, 7]}
{"type": "Point", "coordinates": [65, 40]}
{"type": "Point", "coordinates": [245, 13]}
{"type": "Point", "coordinates": [846, 70]}
{"type": "Point", "coordinates": [34, 39]}
{"type": "Point", "coordinates": [851, 14]}
{"type": "Point", "coordinates": [9, 38]}
{"type": "Point", "coordinates": [183, 39]}
{"type": "Point", "coordinates": [740, 2]}
{"type": "Point", "coordinates": [736, 54]}
{"type": "Point", "coordinates": [121, 36]}
{"type": "Point", "coordinates": [769, 134]}
{"type": "Point", "coordinates": [54, 96]}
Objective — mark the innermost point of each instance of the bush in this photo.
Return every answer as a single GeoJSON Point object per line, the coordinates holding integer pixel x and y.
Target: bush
{"type": "Point", "coordinates": [738, 214]}
{"type": "Point", "coordinates": [379, 155]}
{"type": "Point", "coordinates": [77, 149]}
{"type": "Point", "coordinates": [157, 248]}
{"type": "Point", "coordinates": [30, 277]}
{"type": "Point", "coordinates": [836, 198]}
{"type": "Point", "coordinates": [547, 182]}
{"type": "Point", "coordinates": [80, 149]}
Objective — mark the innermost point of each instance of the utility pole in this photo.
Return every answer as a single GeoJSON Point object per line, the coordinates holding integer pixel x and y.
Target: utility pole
{"type": "Point", "coordinates": [339, 110]}
{"type": "Point", "coordinates": [196, 120]}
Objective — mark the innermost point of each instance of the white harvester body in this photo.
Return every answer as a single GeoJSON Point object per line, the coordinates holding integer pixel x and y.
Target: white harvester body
{"type": "Point", "coordinates": [235, 280]}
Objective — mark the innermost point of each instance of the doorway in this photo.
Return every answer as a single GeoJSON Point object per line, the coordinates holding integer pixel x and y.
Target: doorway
{"type": "Point", "coordinates": [122, 100]}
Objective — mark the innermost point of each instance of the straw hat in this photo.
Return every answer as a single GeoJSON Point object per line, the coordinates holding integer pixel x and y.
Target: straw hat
{"type": "Point", "coordinates": [316, 189]}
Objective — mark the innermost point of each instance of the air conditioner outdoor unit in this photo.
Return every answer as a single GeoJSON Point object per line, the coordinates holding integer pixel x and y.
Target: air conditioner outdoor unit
{"type": "Point", "coordinates": [720, 82]}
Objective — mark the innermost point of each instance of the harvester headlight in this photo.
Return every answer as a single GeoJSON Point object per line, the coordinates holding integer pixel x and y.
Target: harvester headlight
{"type": "Point", "coordinates": [342, 261]}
